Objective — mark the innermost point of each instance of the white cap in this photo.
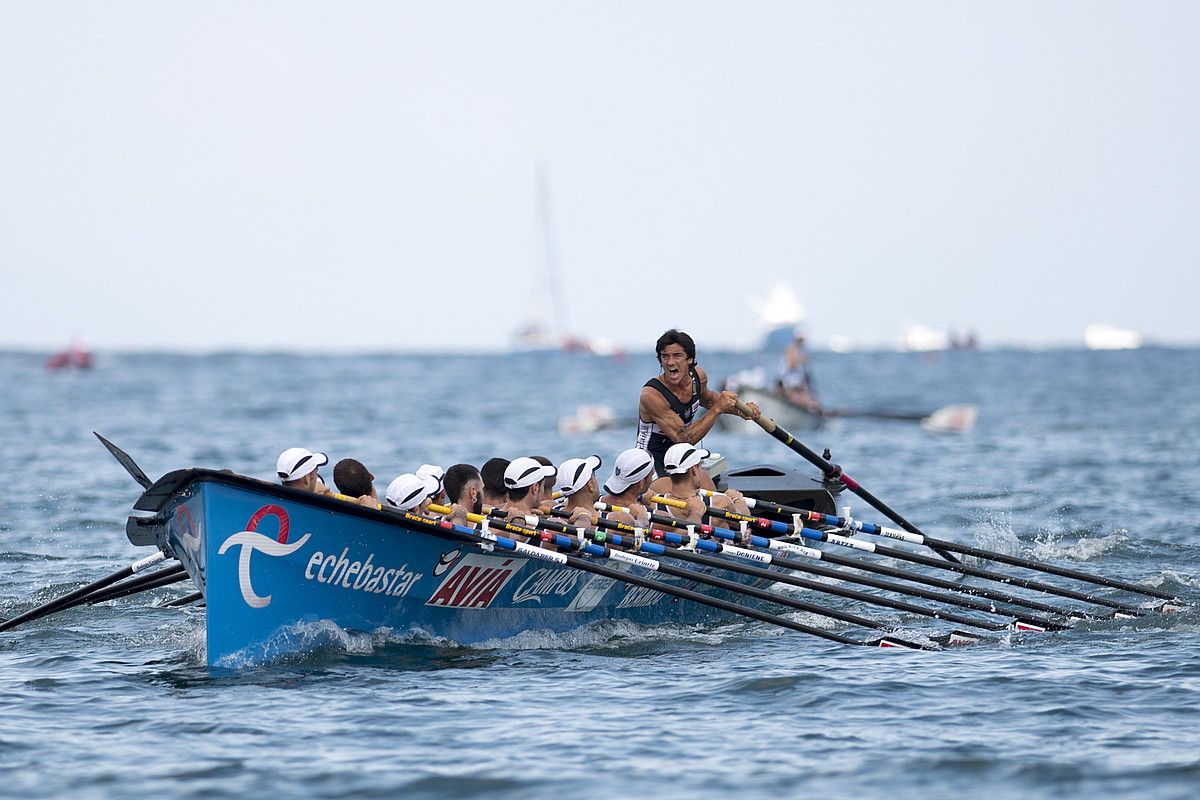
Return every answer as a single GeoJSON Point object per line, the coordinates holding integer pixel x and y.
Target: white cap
{"type": "Point", "coordinates": [525, 471]}
{"type": "Point", "coordinates": [574, 473]}
{"type": "Point", "coordinates": [632, 465]}
{"type": "Point", "coordinates": [408, 490]}
{"type": "Point", "coordinates": [434, 471]}
{"type": "Point", "coordinates": [682, 457]}
{"type": "Point", "coordinates": [296, 462]}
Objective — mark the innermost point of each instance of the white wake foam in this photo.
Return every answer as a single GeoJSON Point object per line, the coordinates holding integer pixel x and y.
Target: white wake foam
{"type": "Point", "coordinates": [1083, 549]}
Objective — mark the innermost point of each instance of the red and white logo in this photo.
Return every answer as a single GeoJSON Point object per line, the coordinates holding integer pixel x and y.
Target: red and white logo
{"type": "Point", "coordinates": [475, 581]}
{"type": "Point", "coordinates": [251, 542]}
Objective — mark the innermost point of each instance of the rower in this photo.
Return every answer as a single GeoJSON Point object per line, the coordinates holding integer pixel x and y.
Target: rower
{"type": "Point", "coordinates": [682, 464]}
{"type": "Point", "coordinates": [464, 491]}
{"type": "Point", "coordinates": [548, 502]}
{"type": "Point", "coordinates": [632, 475]}
{"type": "Point", "coordinates": [524, 479]}
{"type": "Point", "coordinates": [668, 405]}
{"type": "Point", "coordinates": [495, 493]}
{"type": "Point", "coordinates": [353, 479]}
{"type": "Point", "coordinates": [297, 469]}
{"type": "Point", "coordinates": [576, 480]}
{"type": "Point", "coordinates": [411, 492]}
{"type": "Point", "coordinates": [795, 378]}
{"type": "Point", "coordinates": [438, 474]}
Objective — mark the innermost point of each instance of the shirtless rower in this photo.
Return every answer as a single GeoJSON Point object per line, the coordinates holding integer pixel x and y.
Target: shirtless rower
{"type": "Point", "coordinates": [412, 492]}
{"type": "Point", "coordinates": [464, 491]}
{"type": "Point", "coordinates": [580, 489]}
{"type": "Point", "coordinates": [632, 475]}
{"type": "Point", "coordinates": [297, 469]}
{"type": "Point", "coordinates": [524, 478]}
{"type": "Point", "coordinates": [354, 480]}
{"type": "Point", "coordinates": [682, 464]}
{"type": "Point", "coordinates": [669, 403]}
{"type": "Point", "coordinates": [438, 474]}
{"type": "Point", "coordinates": [495, 493]}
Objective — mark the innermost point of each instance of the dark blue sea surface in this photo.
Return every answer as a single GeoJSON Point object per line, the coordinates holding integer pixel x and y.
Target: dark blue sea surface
{"type": "Point", "coordinates": [1090, 460]}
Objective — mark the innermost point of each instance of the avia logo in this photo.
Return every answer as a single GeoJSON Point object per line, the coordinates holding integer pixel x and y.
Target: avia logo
{"type": "Point", "coordinates": [252, 542]}
{"type": "Point", "coordinates": [475, 581]}
{"type": "Point", "coordinates": [445, 562]}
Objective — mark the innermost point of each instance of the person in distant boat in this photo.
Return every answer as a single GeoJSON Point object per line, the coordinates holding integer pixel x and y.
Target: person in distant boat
{"type": "Point", "coordinates": [682, 464]}
{"type": "Point", "coordinates": [632, 475]}
{"type": "Point", "coordinates": [354, 480]}
{"type": "Point", "coordinates": [669, 404]}
{"type": "Point", "coordinates": [495, 493]}
{"type": "Point", "coordinates": [464, 491]}
{"type": "Point", "coordinates": [412, 492]}
{"type": "Point", "coordinates": [297, 469]}
{"type": "Point", "coordinates": [576, 480]}
{"type": "Point", "coordinates": [795, 377]}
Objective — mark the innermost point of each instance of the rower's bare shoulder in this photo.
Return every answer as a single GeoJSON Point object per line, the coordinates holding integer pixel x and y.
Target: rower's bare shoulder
{"type": "Point", "coordinates": [652, 404]}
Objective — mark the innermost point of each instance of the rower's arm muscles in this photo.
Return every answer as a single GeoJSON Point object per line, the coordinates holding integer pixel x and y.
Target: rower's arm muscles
{"type": "Point", "coordinates": [654, 408]}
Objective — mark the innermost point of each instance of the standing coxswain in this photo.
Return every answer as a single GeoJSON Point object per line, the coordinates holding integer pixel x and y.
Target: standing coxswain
{"type": "Point", "coordinates": [669, 404]}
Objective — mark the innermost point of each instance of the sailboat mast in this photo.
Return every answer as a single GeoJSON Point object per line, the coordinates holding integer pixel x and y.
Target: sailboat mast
{"type": "Point", "coordinates": [550, 261]}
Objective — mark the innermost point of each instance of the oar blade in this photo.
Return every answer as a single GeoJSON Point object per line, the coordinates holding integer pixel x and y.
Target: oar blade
{"type": "Point", "coordinates": [126, 461]}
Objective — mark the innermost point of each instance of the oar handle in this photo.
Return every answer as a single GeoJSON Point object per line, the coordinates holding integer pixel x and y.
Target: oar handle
{"type": "Point", "coordinates": [764, 422]}
{"type": "Point", "coordinates": [668, 501]}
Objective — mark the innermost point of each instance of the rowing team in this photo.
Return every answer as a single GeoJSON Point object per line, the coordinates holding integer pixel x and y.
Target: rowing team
{"type": "Point", "coordinates": [528, 486]}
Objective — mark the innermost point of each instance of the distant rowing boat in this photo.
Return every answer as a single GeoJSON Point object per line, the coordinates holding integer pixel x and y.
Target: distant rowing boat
{"type": "Point", "coordinates": [947, 419]}
{"type": "Point", "coordinates": [789, 415]}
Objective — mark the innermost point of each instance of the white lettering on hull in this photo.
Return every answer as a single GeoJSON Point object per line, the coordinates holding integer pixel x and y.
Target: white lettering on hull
{"type": "Point", "coordinates": [360, 576]}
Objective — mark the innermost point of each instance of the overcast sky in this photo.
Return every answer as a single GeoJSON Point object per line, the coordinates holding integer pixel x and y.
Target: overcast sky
{"type": "Point", "coordinates": [362, 175]}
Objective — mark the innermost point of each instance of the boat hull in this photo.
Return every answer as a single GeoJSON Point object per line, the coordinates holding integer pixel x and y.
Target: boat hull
{"type": "Point", "coordinates": [788, 415]}
{"type": "Point", "coordinates": [270, 561]}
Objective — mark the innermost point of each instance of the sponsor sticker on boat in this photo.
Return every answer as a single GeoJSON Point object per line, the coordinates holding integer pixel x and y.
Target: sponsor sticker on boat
{"type": "Point", "coordinates": [592, 593]}
{"type": "Point", "coordinates": [546, 582]}
{"type": "Point", "coordinates": [346, 571]}
{"type": "Point", "coordinates": [475, 581]}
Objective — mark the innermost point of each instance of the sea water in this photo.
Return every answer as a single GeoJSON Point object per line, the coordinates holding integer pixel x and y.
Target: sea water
{"type": "Point", "coordinates": [1091, 460]}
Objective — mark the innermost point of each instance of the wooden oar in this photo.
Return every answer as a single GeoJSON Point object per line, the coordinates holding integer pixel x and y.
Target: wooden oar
{"type": "Point", "coordinates": [967, 550]}
{"type": "Point", "coordinates": [788, 529]}
{"type": "Point", "coordinates": [69, 598]}
{"type": "Point", "coordinates": [1020, 621]}
{"type": "Point", "coordinates": [460, 533]}
{"type": "Point", "coordinates": [833, 471]}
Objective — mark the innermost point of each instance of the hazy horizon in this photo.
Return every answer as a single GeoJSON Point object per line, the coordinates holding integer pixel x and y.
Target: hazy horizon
{"type": "Point", "coordinates": [308, 177]}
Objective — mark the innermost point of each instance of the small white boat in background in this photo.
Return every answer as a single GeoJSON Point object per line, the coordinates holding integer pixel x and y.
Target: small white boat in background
{"type": "Point", "coordinates": [1101, 336]}
{"type": "Point", "coordinates": [923, 339]}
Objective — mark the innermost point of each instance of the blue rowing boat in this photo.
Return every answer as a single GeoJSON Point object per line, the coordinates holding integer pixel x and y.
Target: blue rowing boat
{"type": "Point", "coordinates": [270, 560]}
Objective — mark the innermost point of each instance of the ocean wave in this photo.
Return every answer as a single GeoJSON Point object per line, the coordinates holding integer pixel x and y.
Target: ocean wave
{"type": "Point", "coordinates": [301, 641]}
{"type": "Point", "coordinates": [1170, 577]}
{"type": "Point", "coordinates": [1083, 549]}
{"type": "Point", "coordinates": [614, 635]}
